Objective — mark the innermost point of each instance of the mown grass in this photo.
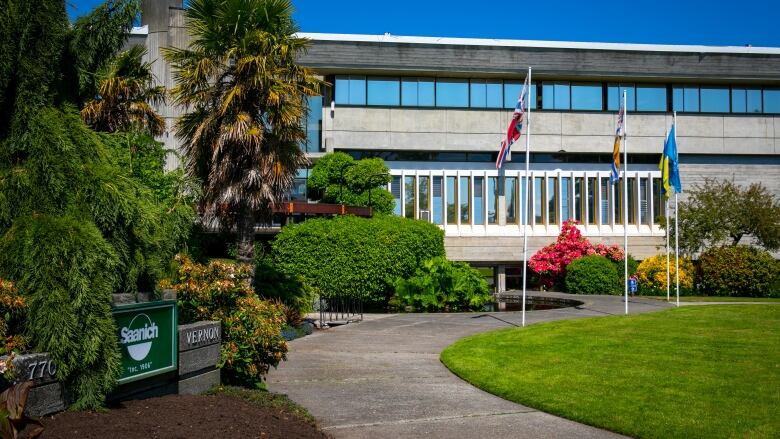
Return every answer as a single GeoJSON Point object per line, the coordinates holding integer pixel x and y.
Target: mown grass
{"type": "Point", "coordinates": [717, 298]}
{"type": "Point", "coordinates": [693, 372]}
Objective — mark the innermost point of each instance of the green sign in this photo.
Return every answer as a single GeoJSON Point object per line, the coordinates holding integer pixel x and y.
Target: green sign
{"type": "Point", "coordinates": [147, 335]}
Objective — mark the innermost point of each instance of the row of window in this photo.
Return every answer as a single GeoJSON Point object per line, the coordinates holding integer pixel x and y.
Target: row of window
{"type": "Point", "coordinates": [474, 200]}
{"type": "Point", "coordinates": [553, 95]}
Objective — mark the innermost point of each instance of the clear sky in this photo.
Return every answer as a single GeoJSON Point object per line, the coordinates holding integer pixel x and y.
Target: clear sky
{"type": "Point", "coordinates": [714, 22]}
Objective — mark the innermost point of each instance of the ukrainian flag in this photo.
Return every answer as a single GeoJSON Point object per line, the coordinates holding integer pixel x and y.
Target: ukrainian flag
{"type": "Point", "coordinates": [670, 173]}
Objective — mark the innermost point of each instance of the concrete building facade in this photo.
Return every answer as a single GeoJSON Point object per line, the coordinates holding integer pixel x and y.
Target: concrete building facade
{"type": "Point", "coordinates": [436, 109]}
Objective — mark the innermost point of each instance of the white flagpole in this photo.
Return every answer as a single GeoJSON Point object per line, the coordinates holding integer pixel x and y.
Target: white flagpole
{"type": "Point", "coordinates": [527, 189]}
{"type": "Point", "coordinates": [676, 217]}
{"type": "Point", "coordinates": [668, 261]}
{"type": "Point", "coordinates": [625, 199]}
{"type": "Point", "coordinates": [666, 207]}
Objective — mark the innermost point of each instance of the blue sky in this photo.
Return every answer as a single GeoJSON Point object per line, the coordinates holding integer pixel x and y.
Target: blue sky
{"type": "Point", "coordinates": [715, 22]}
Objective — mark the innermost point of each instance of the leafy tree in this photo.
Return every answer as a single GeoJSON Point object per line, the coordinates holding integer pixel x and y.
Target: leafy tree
{"type": "Point", "coordinates": [75, 225]}
{"type": "Point", "coordinates": [440, 284]}
{"type": "Point", "coordinates": [247, 94]}
{"type": "Point", "coordinates": [359, 177]}
{"type": "Point", "coordinates": [719, 212]}
{"type": "Point", "coordinates": [126, 93]}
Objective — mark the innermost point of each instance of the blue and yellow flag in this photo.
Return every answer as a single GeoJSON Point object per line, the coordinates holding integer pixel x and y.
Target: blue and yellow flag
{"type": "Point", "coordinates": [614, 177]}
{"type": "Point", "coordinates": [670, 173]}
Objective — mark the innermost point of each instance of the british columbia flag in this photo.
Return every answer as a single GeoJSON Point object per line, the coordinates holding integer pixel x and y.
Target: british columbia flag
{"type": "Point", "coordinates": [515, 124]}
{"type": "Point", "coordinates": [619, 134]}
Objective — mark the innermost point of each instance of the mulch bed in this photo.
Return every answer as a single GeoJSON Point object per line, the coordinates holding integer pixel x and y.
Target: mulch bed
{"type": "Point", "coordinates": [181, 416]}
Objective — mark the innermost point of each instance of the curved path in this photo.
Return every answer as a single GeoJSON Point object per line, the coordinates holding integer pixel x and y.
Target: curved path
{"type": "Point", "coordinates": [382, 378]}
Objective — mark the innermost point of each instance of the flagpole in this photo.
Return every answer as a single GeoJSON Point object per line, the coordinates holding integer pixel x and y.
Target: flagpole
{"type": "Point", "coordinates": [625, 199]}
{"type": "Point", "coordinates": [666, 217]}
{"type": "Point", "coordinates": [676, 221]}
{"type": "Point", "coordinates": [668, 261]}
{"type": "Point", "coordinates": [527, 189]}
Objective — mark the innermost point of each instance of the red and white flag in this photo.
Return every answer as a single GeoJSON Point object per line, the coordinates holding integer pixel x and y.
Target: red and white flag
{"type": "Point", "coordinates": [515, 124]}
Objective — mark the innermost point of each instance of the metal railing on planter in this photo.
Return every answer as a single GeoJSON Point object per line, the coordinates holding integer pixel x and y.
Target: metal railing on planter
{"type": "Point", "coordinates": [339, 309]}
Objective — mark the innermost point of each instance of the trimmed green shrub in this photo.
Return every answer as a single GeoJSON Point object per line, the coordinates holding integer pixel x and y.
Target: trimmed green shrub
{"type": "Point", "coordinates": [272, 284]}
{"type": "Point", "coordinates": [67, 272]}
{"type": "Point", "coordinates": [252, 339]}
{"type": "Point", "coordinates": [359, 257]}
{"type": "Point", "coordinates": [440, 284]}
{"type": "Point", "coordinates": [738, 271]}
{"type": "Point", "coordinates": [633, 265]}
{"type": "Point", "coordinates": [592, 275]}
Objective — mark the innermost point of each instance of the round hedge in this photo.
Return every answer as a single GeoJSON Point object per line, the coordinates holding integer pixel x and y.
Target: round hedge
{"type": "Point", "coordinates": [738, 271]}
{"type": "Point", "coordinates": [592, 275]}
{"type": "Point", "coordinates": [359, 257]}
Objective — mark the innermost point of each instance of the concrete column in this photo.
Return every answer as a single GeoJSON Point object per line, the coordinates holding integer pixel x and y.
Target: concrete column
{"type": "Point", "coordinates": [501, 284]}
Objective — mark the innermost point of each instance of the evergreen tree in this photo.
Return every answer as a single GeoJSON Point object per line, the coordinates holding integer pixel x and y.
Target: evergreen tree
{"type": "Point", "coordinates": [75, 225]}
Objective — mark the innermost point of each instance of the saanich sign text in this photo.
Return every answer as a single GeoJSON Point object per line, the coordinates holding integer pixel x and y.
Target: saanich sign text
{"type": "Point", "coordinates": [147, 339]}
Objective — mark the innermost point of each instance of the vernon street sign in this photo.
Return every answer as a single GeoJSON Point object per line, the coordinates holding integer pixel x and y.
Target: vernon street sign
{"type": "Point", "coordinates": [147, 339]}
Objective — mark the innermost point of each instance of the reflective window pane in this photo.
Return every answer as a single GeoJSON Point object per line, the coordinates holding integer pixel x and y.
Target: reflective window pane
{"type": "Point", "coordinates": [565, 199]}
{"type": "Point", "coordinates": [616, 192]}
{"type": "Point", "coordinates": [691, 99]}
{"type": "Point", "coordinates": [510, 192]}
{"type": "Point", "coordinates": [586, 97]}
{"type": "Point", "coordinates": [342, 90]}
{"type": "Point", "coordinates": [677, 99]}
{"type": "Point", "coordinates": [464, 196]}
{"type": "Point", "coordinates": [357, 90]}
{"type": "Point", "coordinates": [512, 92]}
{"type": "Point", "coordinates": [538, 200]}
{"type": "Point", "coordinates": [659, 206]}
{"type": "Point", "coordinates": [478, 93]}
{"type": "Point", "coordinates": [556, 96]}
{"type": "Point", "coordinates": [409, 92]}
{"type": "Point", "coordinates": [754, 100]}
{"type": "Point", "coordinates": [772, 101]}
{"type": "Point", "coordinates": [493, 95]}
{"type": "Point", "coordinates": [409, 191]}
{"type": "Point", "coordinates": [552, 200]}
{"type": "Point", "coordinates": [437, 211]}
{"type": "Point", "coordinates": [492, 200]}
{"type": "Point", "coordinates": [632, 200]}
{"type": "Point", "coordinates": [715, 99]}
{"type": "Point", "coordinates": [738, 100]}
{"type": "Point", "coordinates": [592, 198]}
{"type": "Point", "coordinates": [384, 91]}
{"type": "Point", "coordinates": [423, 193]}
{"type": "Point", "coordinates": [479, 200]}
{"type": "Point", "coordinates": [395, 189]}
{"type": "Point", "coordinates": [523, 202]}
{"type": "Point", "coordinates": [650, 98]}
{"type": "Point", "coordinates": [314, 124]}
{"type": "Point", "coordinates": [615, 96]}
{"type": "Point", "coordinates": [644, 209]}
{"type": "Point", "coordinates": [425, 92]}
{"type": "Point", "coordinates": [452, 93]}
{"type": "Point", "coordinates": [452, 207]}
{"type": "Point", "coordinates": [604, 198]}
{"type": "Point", "coordinates": [579, 187]}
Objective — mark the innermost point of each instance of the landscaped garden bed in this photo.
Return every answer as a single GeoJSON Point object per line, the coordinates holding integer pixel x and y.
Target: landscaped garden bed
{"type": "Point", "coordinates": [228, 412]}
{"type": "Point", "coordinates": [686, 372]}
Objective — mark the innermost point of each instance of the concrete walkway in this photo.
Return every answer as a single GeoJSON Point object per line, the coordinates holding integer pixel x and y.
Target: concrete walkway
{"type": "Point", "coordinates": [382, 378]}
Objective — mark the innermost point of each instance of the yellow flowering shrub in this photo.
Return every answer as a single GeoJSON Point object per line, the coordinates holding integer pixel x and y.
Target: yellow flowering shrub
{"type": "Point", "coordinates": [252, 339]}
{"type": "Point", "coordinates": [13, 310]}
{"type": "Point", "coordinates": [651, 274]}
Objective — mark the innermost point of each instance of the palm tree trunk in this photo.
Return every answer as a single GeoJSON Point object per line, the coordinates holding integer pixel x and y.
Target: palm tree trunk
{"type": "Point", "coordinates": [246, 240]}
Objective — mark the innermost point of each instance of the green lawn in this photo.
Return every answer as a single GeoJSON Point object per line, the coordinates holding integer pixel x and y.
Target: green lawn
{"type": "Point", "coordinates": [692, 372]}
{"type": "Point", "coordinates": [716, 299]}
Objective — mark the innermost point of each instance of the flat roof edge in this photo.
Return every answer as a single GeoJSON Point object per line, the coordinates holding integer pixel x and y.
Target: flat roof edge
{"type": "Point", "coordinates": [398, 39]}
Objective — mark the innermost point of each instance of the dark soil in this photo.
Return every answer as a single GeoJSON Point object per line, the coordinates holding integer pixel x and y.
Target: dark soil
{"type": "Point", "coordinates": [182, 416]}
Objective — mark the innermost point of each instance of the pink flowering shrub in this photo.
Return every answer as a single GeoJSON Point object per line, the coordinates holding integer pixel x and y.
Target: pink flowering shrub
{"type": "Point", "coordinates": [551, 261]}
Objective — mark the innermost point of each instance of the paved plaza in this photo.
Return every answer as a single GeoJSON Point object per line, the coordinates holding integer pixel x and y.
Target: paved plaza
{"type": "Point", "coordinates": [382, 378]}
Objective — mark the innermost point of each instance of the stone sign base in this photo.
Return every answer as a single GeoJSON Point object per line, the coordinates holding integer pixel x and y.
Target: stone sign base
{"type": "Point", "coordinates": [199, 347]}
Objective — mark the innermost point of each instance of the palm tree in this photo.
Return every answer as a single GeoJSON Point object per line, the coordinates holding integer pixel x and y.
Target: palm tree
{"type": "Point", "coordinates": [246, 100]}
{"type": "Point", "coordinates": [126, 95]}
